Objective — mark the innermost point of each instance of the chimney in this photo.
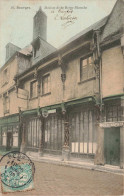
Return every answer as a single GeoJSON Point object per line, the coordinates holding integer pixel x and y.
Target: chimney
{"type": "Point", "coordinates": [10, 50]}
{"type": "Point", "coordinates": [40, 25]}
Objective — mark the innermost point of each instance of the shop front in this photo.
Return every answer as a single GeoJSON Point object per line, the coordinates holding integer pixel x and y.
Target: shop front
{"type": "Point", "coordinates": [82, 132]}
{"type": "Point", "coordinates": [53, 134]}
{"type": "Point", "coordinates": [9, 133]}
{"type": "Point", "coordinates": [113, 130]}
{"type": "Point", "coordinates": [113, 141]}
{"type": "Point", "coordinates": [110, 133]}
{"type": "Point", "coordinates": [44, 132]}
{"type": "Point", "coordinates": [64, 129]}
{"type": "Point", "coordinates": [33, 133]}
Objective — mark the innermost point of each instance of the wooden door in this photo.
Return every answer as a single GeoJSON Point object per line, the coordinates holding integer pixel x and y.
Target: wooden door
{"type": "Point", "coordinates": [112, 145]}
{"type": "Point", "coordinates": [53, 134]}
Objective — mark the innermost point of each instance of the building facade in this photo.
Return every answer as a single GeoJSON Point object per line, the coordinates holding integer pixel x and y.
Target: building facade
{"type": "Point", "coordinates": [68, 102]}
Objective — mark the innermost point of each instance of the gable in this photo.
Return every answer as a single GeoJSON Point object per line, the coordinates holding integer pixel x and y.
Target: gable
{"type": "Point", "coordinates": [115, 22]}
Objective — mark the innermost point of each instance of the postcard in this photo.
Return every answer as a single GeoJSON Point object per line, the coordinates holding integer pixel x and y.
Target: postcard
{"type": "Point", "coordinates": [61, 97]}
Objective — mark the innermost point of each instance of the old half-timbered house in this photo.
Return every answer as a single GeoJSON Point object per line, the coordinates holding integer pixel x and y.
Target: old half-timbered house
{"type": "Point", "coordinates": [11, 97]}
{"type": "Point", "coordinates": [74, 104]}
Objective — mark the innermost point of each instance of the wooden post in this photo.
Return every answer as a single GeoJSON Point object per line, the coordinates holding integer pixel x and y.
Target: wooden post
{"type": "Point", "coordinates": [122, 147]}
{"type": "Point", "coordinates": [42, 136]}
{"type": "Point", "coordinates": [122, 137]}
{"type": "Point", "coordinates": [22, 148]}
{"type": "Point", "coordinates": [66, 148]}
{"type": "Point", "coordinates": [99, 157]}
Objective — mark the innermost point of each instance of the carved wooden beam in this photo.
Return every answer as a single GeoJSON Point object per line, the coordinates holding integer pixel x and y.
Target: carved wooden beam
{"type": "Point", "coordinates": [35, 73]}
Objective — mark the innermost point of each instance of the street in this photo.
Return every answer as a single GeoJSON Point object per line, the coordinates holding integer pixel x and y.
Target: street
{"type": "Point", "coordinates": [53, 179]}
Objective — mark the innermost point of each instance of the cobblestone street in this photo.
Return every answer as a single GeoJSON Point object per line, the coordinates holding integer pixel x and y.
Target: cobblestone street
{"type": "Point", "coordinates": [53, 179]}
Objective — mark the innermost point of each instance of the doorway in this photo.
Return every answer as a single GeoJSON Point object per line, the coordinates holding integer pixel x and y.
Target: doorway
{"type": "Point", "coordinates": [9, 140]}
{"type": "Point", "coordinates": [112, 146]}
{"type": "Point", "coordinates": [53, 134]}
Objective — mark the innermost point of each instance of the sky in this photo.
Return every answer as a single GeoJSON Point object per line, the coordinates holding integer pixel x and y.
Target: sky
{"type": "Point", "coordinates": [16, 20]}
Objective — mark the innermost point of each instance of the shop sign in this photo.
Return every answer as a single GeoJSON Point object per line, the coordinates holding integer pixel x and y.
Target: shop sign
{"type": "Point", "coordinates": [52, 111]}
{"type": "Point", "coordinates": [111, 124]}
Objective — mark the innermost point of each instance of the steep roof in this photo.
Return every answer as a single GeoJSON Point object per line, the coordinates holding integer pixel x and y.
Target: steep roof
{"type": "Point", "coordinates": [45, 47]}
{"type": "Point", "coordinates": [115, 22]}
{"type": "Point", "coordinates": [108, 24]}
{"type": "Point", "coordinates": [17, 48]}
{"type": "Point", "coordinates": [27, 50]}
{"type": "Point", "coordinates": [95, 26]}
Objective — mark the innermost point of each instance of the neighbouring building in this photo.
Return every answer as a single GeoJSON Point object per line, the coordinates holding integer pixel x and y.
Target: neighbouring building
{"type": "Point", "coordinates": [67, 101]}
{"type": "Point", "coordinates": [12, 98]}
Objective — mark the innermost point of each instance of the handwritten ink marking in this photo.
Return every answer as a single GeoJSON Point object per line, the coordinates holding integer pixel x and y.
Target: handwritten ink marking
{"type": "Point", "coordinates": [65, 11]}
{"type": "Point", "coordinates": [65, 16]}
{"type": "Point", "coordinates": [68, 23]}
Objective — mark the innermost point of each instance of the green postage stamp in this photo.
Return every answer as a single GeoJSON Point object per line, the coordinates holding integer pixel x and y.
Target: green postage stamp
{"type": "Point", "coordinates": [17, 172]}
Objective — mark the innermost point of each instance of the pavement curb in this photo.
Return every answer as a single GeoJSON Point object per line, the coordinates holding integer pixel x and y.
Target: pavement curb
{"type": "Point", "coordinates": [79, 165]}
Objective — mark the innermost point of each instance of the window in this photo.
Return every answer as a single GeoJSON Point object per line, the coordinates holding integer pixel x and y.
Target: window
{"type": "Point", "coordinates": [33, 133]}
{"type": "Point", "coordinates": [33, 89]}
{"type": "Point", "coordinates": [9, 136]}
{"type": "Point", "coordinates": [114, 112]}
{"type": "Point", "coordinates": [5, 76]}
{"type": "Point", "coordinates": [54, 133]}
{"type": "Point", "coordinates": [83, 133]}
{"type": "Point", "coordinates": [15, 136]}
{"type": "Point", "coordinates": [46, 84]}
{"type": "Point", "coordinates": [6, 103]}
{"type": "Point", "coordinates": [86, 68]}
{"type": "Point", "coordinates": [4, 136]}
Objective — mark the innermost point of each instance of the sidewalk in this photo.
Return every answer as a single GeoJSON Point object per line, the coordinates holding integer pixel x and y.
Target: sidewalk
{"type": "Point", "coordinates": [77, 163]}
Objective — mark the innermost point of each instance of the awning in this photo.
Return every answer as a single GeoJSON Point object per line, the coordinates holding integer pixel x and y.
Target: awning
{"type": "Point", "coordinates": [58, 106]}
{"type": "Point", "coordinates": [9, 119]}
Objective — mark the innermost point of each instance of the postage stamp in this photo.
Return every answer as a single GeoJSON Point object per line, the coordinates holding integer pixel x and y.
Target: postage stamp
{"type": "Point", "coordinates": [17, 172]}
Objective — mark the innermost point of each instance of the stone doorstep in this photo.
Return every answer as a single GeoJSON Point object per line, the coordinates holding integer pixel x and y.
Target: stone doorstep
{"type": "Point", "coordinates": [77, 164]}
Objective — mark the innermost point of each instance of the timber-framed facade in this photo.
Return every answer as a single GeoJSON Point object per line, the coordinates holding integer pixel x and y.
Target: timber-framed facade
{"type": "Point", "coordinates": [70, 101]}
